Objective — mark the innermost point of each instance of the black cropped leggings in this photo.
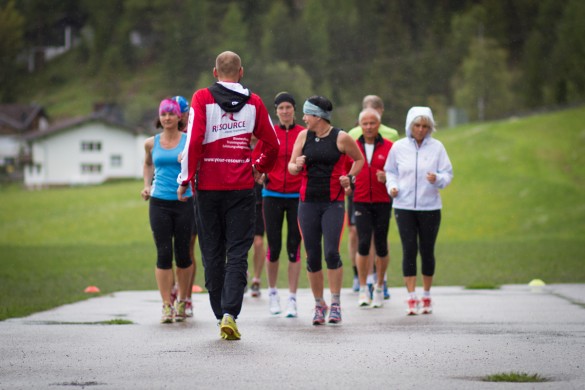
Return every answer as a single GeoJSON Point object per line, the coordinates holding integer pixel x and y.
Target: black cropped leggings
{"type": "Point", "coordinates": [171, 222]}
{"type": "Point", "coordinates": [418, 228]}
{"type": "Point", "coordinates": [322, 221]}
{"type": "Point", "coordinates": [274, 211]}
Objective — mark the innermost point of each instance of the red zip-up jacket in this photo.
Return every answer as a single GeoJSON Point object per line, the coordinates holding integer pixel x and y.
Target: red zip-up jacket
{"type": "Point", "coordinates": [279, 179]}
{"type": "Point", "coordinates": [367, 187]}
{"type": "Point", "coordinates": [221, 122]}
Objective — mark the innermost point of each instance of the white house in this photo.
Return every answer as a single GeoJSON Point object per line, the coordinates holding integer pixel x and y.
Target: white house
{"type": "Point", "coordinates": [87, 150]}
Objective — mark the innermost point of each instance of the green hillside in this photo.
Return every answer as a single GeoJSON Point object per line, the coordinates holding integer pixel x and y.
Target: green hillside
{"type": "Point", "coordinates": [515, 211]}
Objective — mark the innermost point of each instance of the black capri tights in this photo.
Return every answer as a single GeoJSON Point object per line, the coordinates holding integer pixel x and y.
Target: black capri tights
{"type": "Point", "coordinates": [322, 221]}
{"type": "Point", "coordinates": [372, 218]}
{"type": "Point", "coordinates": [418, 228]}
{"type": "Point", "coordinates": [171, 220]}
{"type": "Point", "coordinates": [274, 211]}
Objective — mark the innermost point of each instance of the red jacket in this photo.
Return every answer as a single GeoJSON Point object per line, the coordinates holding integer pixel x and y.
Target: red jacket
{"type": "Point", "coordinates": [279, 179]}
{"type": "Point", "coordinates": [221, 123]}
{"type": "Point", "coordinates": [367, 187]}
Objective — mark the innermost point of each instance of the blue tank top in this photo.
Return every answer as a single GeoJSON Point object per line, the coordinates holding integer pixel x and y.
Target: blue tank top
{"type": "Point", "coordinates": [167, 169]}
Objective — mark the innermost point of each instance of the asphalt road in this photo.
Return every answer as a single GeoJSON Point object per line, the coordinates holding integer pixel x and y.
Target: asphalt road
{"type": "Point", "coordinates": [471, 334]}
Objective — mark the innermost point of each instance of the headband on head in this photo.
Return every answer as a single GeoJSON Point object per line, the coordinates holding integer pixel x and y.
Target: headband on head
{"type": "Point", "coordinates": [311, 109]}
{"type": "Point", "coordinates": [169, 105]}
{"type": "Point", "coordinates": [284, 97]}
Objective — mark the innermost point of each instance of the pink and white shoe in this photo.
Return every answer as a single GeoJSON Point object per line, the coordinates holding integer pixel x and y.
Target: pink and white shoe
{"type": "Point", "coordinates": [427, 306]}
{"type": "Point", "coordinates": [413, 306]}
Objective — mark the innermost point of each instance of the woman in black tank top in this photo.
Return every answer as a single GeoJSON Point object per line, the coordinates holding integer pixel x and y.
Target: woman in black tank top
{"type": "Point", "coordinates": [319, 155]}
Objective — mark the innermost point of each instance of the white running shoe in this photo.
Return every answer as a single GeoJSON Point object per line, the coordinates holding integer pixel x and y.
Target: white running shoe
{"type": "Point", "coordinates": [274, 303]}
{"type": "Point", "coordinates": [291, 309]}
{"type": "Point", "coordinates": [364, 299]}
{"type": "Point", "coordinates": [378, 300]}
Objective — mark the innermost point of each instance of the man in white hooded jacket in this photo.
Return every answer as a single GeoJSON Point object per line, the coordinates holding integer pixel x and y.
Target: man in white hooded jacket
{"type": "Point", "coordinates": [416, 168]}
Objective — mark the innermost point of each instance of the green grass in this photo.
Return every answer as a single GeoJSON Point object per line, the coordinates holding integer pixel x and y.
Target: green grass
{"type": "Point", "coordinates": [514, 212]}
{"type": "Point", "coordinates": [519, 377]}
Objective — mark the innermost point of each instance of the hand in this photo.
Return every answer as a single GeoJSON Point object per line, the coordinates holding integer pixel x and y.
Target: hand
{"type": "Point", "coordinates": [181, 193]}
{"type": "Point", "coordinates": [180, 157]}
{"type": "Point", "coordinates": [393, 192]}
{"type": "Point", "coordinates": [381, 176]}
{"type": "Point", "coordinates": [145, 193]}
{"type": "Point", "coordinates": [431, 177]}
{"type": "Point", "coordinates": [345, 183]}
{"type": "Point", "coordinates": [258, 177]}
{"type": "Point", "coordinates": [300, 161]}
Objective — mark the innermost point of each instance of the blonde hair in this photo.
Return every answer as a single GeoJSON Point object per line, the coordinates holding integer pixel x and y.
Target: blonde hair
{"type": "Point", "coordinates": [228, 64]}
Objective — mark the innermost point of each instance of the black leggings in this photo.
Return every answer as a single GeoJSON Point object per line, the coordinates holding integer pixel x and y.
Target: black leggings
{"type": "Point", "coordinates": [372, 217]}
{"type": "Point", "coordinates": [274, 210]}
{"type": "Point", "coordinates": [322, 221]}
{"type": "Point", "coordinates": [418, 227]}
{"type": "Point", "coordinates": [171, 220]}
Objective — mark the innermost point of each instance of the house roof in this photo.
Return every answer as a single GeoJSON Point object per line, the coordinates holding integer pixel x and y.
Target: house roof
{"type": "Point", "coordinates": [19, 116]}
{"type": "Point", "coordinates": [77, 121]}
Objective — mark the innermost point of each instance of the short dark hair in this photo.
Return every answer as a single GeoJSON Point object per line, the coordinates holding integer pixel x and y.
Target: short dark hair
{"type": "Point", "coordinates": [322, 102]}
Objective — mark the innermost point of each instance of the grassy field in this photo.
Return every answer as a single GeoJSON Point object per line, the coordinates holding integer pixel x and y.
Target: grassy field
{"type": "Point", "coordinates": [514, 212]}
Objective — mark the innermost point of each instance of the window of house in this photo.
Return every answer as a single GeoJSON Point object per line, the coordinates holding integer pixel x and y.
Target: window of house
{"type": "Point", "coordinates": [89, 169]}
{"type": "Point", "coordinates": [116, 160]}
{"type": "Point", "coordinates": [91, 146]}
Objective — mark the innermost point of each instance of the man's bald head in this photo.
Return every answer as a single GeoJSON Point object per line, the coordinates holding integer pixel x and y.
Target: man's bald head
{"type": "Point", "coordinates": [228, 66]}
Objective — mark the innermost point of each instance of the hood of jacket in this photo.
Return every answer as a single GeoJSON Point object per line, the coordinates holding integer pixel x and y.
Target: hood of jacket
{"type": "Point", "coordinates": [230, 99]}
{"type": "Point", "coordinates": [415, 112]}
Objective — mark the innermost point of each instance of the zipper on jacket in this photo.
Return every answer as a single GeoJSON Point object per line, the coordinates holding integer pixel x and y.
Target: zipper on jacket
{"type": "Point", "coordinates": [415, 173]}
{"type": "Point", "coordinates": [285, 161]}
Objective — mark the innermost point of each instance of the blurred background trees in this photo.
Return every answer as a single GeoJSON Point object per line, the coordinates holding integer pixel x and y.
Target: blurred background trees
{"type": "Point", "coordinates": [489, 58]}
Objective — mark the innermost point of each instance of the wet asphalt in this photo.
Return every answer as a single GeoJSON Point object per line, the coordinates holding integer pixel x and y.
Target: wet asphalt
{"type": "Point", "coordinates": [471, 334]}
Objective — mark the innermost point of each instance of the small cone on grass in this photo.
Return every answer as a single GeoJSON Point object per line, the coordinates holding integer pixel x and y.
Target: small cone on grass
{"type": "Point", "coordinates": [91, 290]}
{"type": "Point", "coordinates": [196, 289]}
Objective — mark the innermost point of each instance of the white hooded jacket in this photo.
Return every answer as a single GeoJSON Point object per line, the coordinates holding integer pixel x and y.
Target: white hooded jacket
{"type": "Point", "coordinates": [408, 164]}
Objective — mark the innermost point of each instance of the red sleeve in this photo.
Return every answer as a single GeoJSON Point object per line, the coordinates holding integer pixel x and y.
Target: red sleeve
{"type": "Point", "coordinates": [265, 153]}
{"type": "Point", "coordinates": [196, 135]}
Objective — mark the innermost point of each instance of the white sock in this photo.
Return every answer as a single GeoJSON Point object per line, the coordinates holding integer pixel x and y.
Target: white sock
{"type": "Point", "coordinates": [412, 295]}
{"type": "Point", "coordinates": [292, 296]}
{"type": "Point", "coordinates": [370, 279]}
{"type": "Point", "coordinates": [426, 294]}
{"type": "Point", "coordinates": [272, 291]}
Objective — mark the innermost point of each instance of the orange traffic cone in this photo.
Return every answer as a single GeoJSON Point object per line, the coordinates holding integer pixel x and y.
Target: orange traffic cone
{"type": "Point", "coordinates": [91, 289]}
{"type": "Point", "coordinates": [196, 289]}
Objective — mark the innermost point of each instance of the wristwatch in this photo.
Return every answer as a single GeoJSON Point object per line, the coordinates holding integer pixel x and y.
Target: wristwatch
{"type": "Point", "coordinates": [351, 181]}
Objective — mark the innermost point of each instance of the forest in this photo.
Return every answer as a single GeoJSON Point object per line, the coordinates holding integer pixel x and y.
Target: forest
{"type": "Point", "coordinates": [487, 58]}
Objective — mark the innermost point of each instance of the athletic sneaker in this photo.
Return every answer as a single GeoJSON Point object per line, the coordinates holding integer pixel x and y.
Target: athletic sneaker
{"type": "Point", "coordinates": [255, 289]}
{"type": "Point", "coordinates": [378, 300]}
{"type": "Point", "coordinates": [386, 292]}
{"type": "Point", "coordinates": [274, 303]}
{"type": "Point", "coordinates": [174, 293]}
{"type": "Point", "coordinates": [291, 308]}
{"type": "Point", "coordinates": [180, 314]}
{"type": "Point", "coordinates": [356, 284]}
{"type": "Point", "coordinates": [229, 329]}
{"type": "Point", "coordinates": [427, 306]}
{"type": "Point", "coordinates": [335, 314]}
{"type": "Point", "coordinates": [320, 313]}
{"type": "Point", "coordinates": [364, 299]}
{"type": "Point", "coordinates": [167, 314]}
{"type": "Point", "coordinates": [189, 308]}
{"type": "Point", "coordinates": [413, 305]}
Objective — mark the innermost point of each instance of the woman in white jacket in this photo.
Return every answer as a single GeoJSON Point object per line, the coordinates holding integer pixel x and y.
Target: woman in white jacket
{"type": "Point", "coordinates": [416, 168]}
